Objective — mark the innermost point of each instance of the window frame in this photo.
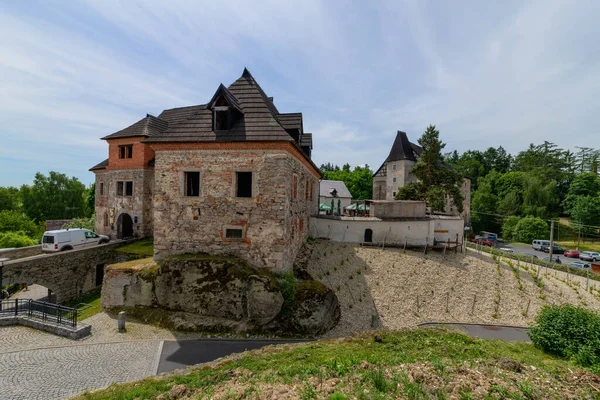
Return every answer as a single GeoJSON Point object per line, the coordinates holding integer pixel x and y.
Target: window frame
{"type": "Point", "coordinates": [125, 151]}
{"type": "Point", "coordinates": [236, 184]}
{"type": "Point", "coordinates": [101, 188]}
{"type": "Point", "coordinates": [124, 188]}
{"type": "Point", "coordinates": [226, 123]}
{"type": "Point", "coordinates": [234, 227]}
{"type": "Point", "coordinates": [183, 182]}
{"type": "Point", "coordinates": [295, 187]}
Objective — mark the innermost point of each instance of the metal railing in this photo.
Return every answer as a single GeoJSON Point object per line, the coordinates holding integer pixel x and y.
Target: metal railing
{"type": "Point", "coordinates": [40, 310]}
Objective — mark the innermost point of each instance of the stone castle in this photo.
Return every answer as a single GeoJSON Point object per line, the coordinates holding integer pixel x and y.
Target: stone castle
{"type": "Point", "coordinates": [232, 176]}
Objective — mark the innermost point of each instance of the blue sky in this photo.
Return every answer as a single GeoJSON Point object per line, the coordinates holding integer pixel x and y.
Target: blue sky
{"type": "Point", "coordinates": [486, 73]}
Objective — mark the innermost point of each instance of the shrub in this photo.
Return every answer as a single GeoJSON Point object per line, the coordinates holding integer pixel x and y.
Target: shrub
{"type": "Point", "coordinates": [530, 228]}
{"type": "Point", "coordinates": [287, 285]}
{"type": "Point", "coordinates": [85, 223]}
{"type": "Point", "coordinates": [14, 221]}
{"type": "Point", "coordinates": [15, 239]}
{"type": "Point", "coordinates": [568, 331]}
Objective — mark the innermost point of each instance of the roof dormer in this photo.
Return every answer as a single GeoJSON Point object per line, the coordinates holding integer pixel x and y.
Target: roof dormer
{"type": "Point", "coordinates": [225, 109]}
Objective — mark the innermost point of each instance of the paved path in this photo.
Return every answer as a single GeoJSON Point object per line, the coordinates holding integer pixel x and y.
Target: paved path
{"type": "Point", "coordinates": [506, 333]}
{"type": "Point", "coordinates": [34, 292]}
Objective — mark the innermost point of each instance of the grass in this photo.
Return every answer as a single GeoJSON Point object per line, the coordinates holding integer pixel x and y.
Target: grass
{"type": "Point", "coordinates": [93, 299]}
{"type": "Point", "coordinates": [144, 247]}
{"type": "Point", "coordinates": [582, 246]}
{"type": "Point", "coordinates": [359, 365]}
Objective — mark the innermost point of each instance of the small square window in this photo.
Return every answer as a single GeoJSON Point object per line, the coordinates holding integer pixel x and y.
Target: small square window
{"type": "Point", "coordinates": [394, 194]}
{"type": "Point", "coordinates": [244, 184]}
{"type": "Point", "coordinates": [126, 151]}
{"type": "Point", "coordinates": [234, 233]}
{"type": "Point", "coordinates": [192, 183]}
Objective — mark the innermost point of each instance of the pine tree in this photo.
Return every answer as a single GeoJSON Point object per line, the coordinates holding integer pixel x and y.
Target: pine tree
{"type": "Point", "coordinates": [437, 180]}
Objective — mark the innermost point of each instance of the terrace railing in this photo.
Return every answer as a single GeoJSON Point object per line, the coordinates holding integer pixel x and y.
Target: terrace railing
{"type": "Point", "coordinates": [39, 310]}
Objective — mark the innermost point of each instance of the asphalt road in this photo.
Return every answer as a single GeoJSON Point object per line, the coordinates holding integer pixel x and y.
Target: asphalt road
{"type": "Point", "coordinates": [524, 249]}
{"type": "Point", "coordinates": [182, 353]}
{"type": "Point", "coordinates": [506, 333]}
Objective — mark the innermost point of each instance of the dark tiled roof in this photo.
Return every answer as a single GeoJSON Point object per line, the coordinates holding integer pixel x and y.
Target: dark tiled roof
{"type": "Point", "coordinates": [257, 121]}
{"type": "Point", "coordinates": [291, 121]}
{"type": "Point", "coordinates": [175, 115]}
{"type": "Point", "coordinates": [401, 149]}
{"type": "Point", "coordinates": [326, 189]}
{"type": "Point", "coordinates": [101, 165]}
{"type": "Point", "coordinates": [306, 140]}
{"type": "Point", "coordinates": [223, 91]}
{"type": "Point", "coordinates": [149, 126]}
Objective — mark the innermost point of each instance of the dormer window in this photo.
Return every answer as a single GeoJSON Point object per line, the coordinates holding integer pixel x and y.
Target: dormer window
{"type": "Point", "coordinates": [220, 118]}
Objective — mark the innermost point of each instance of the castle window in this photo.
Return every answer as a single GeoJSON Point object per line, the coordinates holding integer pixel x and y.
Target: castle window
{"type": "Point", "coordinates": [233, 233]}
{"type": "Point", "coordinates": [394, 194]}
{"type": "Point", "coordinates": [220, 118]}
{"type": "Point", "coordinates": [101, 188]}
{"type": "Point", "coordinates": [124, 188]}
{"type": "Point", "coordinates": [295, 187]}
{"type": "Point", "coordinates": [394, 179]}
{"type": "Point", "coordinates": [243, 184]}
{"type": "Point", "coordinates": [394, 167]}
{"type": "Point", "coordinates": [191, 183]}
{"type": "Point", "coordinates": [126, 151]}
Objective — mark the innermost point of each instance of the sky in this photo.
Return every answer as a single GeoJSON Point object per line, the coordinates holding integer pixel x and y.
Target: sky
{"type": "Point", "coordinates": [485, 73]}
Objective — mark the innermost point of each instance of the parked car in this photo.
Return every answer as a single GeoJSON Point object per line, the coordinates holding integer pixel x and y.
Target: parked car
{"type": "Point", "coordinates": [483, 242]}
{"type": "Point", "coordinates": [69, 239]}
{"type": "Point", "coordinates": [529, 255]}
{"type": "Point", "coordinates": [579, 265]}
{"type": "Point", "coordinates": [537, 244]}
{"type": "Point", "coordinates": [571, 253]}
{"type": "Point", "coordinates": [589, 256]}
{"type": "Point", "coordinates": [555, 249]}
{"type": "Point", "coordinates": [507, 249]}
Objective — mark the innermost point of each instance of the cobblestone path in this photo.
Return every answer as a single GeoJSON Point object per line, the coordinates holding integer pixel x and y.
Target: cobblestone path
{"type": "Point", "coordinates": [56, 373]}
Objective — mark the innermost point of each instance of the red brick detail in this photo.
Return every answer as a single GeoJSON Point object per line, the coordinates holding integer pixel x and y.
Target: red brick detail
{"type": "Point", "coordinates": [142, 154]}
{"type": "Point", "coordinates": [287, 146]}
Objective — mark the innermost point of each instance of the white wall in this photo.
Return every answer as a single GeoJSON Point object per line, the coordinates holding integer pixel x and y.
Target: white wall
{"type": "Point", "coordinates": [352, 230]}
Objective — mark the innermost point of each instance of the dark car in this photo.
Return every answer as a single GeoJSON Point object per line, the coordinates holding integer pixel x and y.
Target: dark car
{"type": "Point", "coordinates": [555, 249]}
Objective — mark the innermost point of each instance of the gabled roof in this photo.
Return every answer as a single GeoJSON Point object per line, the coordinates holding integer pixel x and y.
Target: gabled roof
{"type": "Point", "coordinates": [327, 187]}
{"type": "Point", "coordinates": [101, 165]}
{"type": "Point", "coordinates": [291, 121]}
{"type": "Point", "coordinates": [306, 140]}
{"type": "Point", "coordinates": [149, 126]}
{"type": "Point", "coordinates": [223, 91]}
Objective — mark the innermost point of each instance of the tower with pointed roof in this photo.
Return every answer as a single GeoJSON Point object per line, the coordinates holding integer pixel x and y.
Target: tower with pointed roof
{"type": "Point", "coordinates": [232, 176]}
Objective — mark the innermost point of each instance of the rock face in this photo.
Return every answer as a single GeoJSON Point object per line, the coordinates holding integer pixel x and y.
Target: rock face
{"type": "Point", "coordinates": [201, 292]}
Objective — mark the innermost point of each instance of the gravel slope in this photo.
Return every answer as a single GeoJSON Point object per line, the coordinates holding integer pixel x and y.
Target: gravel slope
{"type": "Point", "coordinates": [406, 289]}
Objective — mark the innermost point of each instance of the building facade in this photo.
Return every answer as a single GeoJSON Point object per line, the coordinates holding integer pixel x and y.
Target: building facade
{"type": "Point", "coordinates": [336, 191]}
{"type": "Point", "coordinates": [233, 176]}
{"type": "Point", "coordinates": [395, 172]}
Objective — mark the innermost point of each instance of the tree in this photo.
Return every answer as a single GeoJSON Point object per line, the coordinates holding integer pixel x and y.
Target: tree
{"type": "Point", "coordinates": [53, 197]}
{"type": "Point", "coordinates": [508, 227]}
{"type": "Point", "coordinates": [586, 211]}
{"type": "Point", "coordinates": [10, 198]}
{"type": "Point", "coordinates": [586, 184]}
{"type": "Point", "coordinates": [539, 199]}
{"type": "Point", "coordinates": [13, 221]}
{"type": "Point", "coordinates": [359, 181]}
{"type": "Point", "coordinates": [437, 181]}
{"type": "Point", "coordinates": [90, 200]}
{"type": "Point", "coordinates": [529, 229]}
{"type": "Point", "coordinates": [15, 239]}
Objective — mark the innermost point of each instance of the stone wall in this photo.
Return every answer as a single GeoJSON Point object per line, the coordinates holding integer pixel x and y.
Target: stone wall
{"type": "Point", "coordinates": [274, 221]}
{"type": "Point", "coordinates": [21, 252]}
{"type": "Point", "coordinates": [139, 205]}
{"type": "Point", "coordinates": [67, 274]}
{"type": "Point", "coordinates": [398, 209]}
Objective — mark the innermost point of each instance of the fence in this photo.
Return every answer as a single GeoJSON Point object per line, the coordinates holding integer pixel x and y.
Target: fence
{"type": "Point", "coordinates": [40, 310]}
{"type": "Point", "coordinates": [585, 273]}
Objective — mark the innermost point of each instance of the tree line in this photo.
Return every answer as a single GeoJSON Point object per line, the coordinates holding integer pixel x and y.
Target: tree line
{"type": "Point", "coordinates": [24, 210]}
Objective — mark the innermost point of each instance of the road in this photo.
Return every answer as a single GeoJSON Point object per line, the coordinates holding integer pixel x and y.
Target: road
{"type": "Point", "coordinates": [506, 333]}
{"type": "Point", "coordinates": [525, 249]}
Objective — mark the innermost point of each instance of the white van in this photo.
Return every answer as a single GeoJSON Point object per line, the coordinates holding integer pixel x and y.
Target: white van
{"type": "Point", "coordinates": [69, 239]}
{"type": "Point", "coordinates": [537, 244]}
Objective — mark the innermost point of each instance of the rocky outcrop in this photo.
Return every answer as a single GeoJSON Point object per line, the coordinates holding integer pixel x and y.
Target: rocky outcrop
{"type": "Point", "coordinates": [202, 292]}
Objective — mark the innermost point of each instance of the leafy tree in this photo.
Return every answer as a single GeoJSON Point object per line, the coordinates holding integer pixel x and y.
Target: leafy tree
{"type": "Point", "coordinates": [90, 200]}
{"type": "Point", "coordinates": [508, 227]}
{"type": "Point", "coordinates": [530, 228]}
{"type": "Point", "coordinates": [85, 223]}
{"type": "Point", "coordinates": [13, 221]}
{"type": "Point", "coordinates": [497, 159]}
{"type": "Point", "coordinates": [586, 211]}
{"type": "Point", "coordinates": [586, 184]}
{"type": "Point", "coordinates": [359, 181]}
{"type": "Point", "coordinates": [15, 239]}
{"type": "Point", "coordinates": [539, 198]}
{"type": "Point", "coordinates": [510, 204]}
{"type": "Point", "coordinates": [55, 196]}
{"type": "Point", "coordinates": [329, 167]}
{"type": "Point", "coordinates": [436, 180]}
{"type": "Point", "coordinates": [10, 198]}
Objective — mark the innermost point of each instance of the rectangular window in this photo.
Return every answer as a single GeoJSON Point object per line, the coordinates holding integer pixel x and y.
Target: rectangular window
{"type": "Point", "coordinates": [124, 188]}
{"type": "Point", "coordinates": [234, 233]}
{"type": "Point", "coordinates": [312, 187]}
{"type": "Point", "coordinates": [101, 188]}
{"type": "Point", "coordinates": [394, 180]}
{"type": "Point", "coordinates": [126, 151]}
{"type": "Point", "coordinates": [244, 184]}
{"type": "Point", "coordinates": [221, 119]}
{"type": "Point", "coordinates": [295, 187]}
{"type": "Point", "coordinates": [306, 190]}
{"type": "Point", "coordinates": [192, 183]}
{"type": "Point", "coordinates": [394, 167]}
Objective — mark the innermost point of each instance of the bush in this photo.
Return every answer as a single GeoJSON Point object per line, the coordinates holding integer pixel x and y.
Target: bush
{"type": "Point", "coordinates": [530, 228]}
{"type": "Point", "coordinates": [570, 332]}
{"type": "Point", "coordinates": [287, 285]}
{"type": "Point", "coordinates": [85, 223]}
{"type": "Point", "coordinates": [15, 239]}
{"type": "Point", "coordinates": [508, 227]}
{"type": "Point", "coordinates": [14, 221]}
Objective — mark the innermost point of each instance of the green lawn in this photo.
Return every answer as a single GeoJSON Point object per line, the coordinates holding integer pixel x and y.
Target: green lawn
{"type": "Point", "coordinates": [570, 244]}
{"type": "Point", "coordinates": [144, 247]}
{"type": "Point", "coordinates": [91, 298]}
{"type": "Point", "coordinates": [412, 364]}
